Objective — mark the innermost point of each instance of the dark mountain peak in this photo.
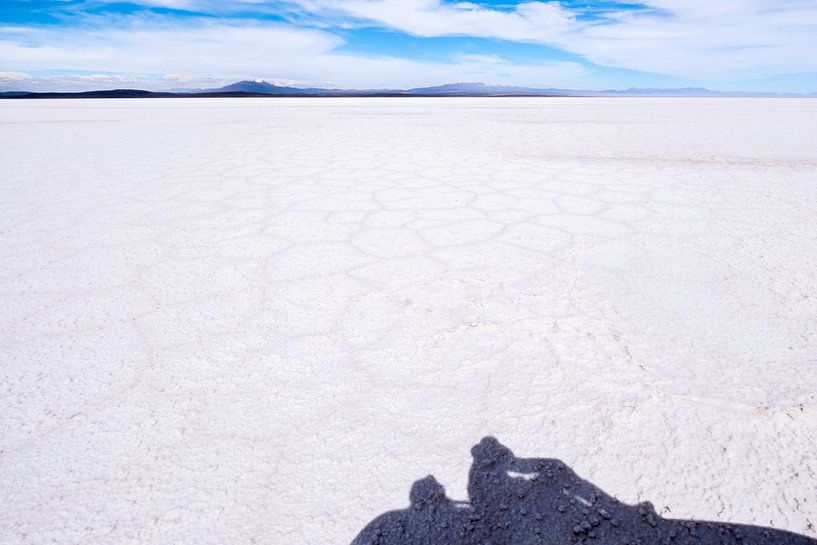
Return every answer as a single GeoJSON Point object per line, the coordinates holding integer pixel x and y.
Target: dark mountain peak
{"type": "Point", "coordinates": [250, 86]}
{"type": "Point", "coordinates": [462, 87]}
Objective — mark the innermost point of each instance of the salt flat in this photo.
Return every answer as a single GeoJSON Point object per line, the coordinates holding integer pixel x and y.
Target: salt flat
{"type": "Point", "coordinates": [260, 320]}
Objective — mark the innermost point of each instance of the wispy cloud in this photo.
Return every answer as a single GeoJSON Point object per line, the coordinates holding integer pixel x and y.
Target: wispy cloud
{"type": "Point", "coordinates": [14, 76]}
{"type": "Point", "coordinates": [691, 38]}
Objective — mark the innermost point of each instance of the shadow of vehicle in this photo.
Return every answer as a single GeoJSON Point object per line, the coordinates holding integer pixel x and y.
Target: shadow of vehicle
{"type": "Point", "coordinates": [515, 501]}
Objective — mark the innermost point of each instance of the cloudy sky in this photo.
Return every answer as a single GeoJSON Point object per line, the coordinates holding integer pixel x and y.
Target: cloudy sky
{"type": "Point", "coordinates": [758, 45]}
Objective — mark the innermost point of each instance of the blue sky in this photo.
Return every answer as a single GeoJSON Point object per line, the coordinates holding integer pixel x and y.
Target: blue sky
{"type": "Point", "coordinates": [756, 45]}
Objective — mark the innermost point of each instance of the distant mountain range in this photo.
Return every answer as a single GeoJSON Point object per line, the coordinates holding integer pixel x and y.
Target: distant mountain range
{"type": "Point", "coordinates": [258, 88]}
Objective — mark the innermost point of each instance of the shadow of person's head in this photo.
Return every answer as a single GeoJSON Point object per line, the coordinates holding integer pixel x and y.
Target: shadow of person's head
{"type": "Point", "coordinates": [431, 519]}
{"type": "Point", "coordinates": [427, 491]}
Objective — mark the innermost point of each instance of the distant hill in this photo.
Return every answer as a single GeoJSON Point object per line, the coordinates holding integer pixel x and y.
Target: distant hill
{"type": "Point", "coordinates": [254, 87]}
{"type": "Point", "coordinates": [259, 88]}
{"type": "Point", "coordinates": [111, 93]}
{"type": "Point", "coordinates": [481, 89]}
{"type": "Point", "coordinates": [697, 92]}
{"type": "Point", "coordinates": [266, 88]}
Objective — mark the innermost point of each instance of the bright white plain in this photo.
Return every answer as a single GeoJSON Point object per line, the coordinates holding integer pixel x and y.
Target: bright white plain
{"type": "Point", "coordinates": [260, 320]}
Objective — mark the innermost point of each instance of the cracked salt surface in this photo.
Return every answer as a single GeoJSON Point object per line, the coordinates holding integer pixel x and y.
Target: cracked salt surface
{"type": "Point", "coordinates": [259, 321]}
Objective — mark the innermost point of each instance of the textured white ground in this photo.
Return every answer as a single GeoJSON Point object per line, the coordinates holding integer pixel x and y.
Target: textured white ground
{"type": "Point", "coordinates": [258, 321]}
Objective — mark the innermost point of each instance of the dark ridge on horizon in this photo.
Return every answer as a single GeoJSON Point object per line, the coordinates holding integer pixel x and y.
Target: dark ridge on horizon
{"type": "Point", "coordinates": [139, 93]}
{"type": "Point", "coordinates": [253, 88]}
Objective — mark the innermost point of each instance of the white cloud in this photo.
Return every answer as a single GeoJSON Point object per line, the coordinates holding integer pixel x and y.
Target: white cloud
{"type": "Point", "coordinates": [13, 76]}
{"type": "Point", "coordinates": [707, 39]}
{"type": "Point", "coordinates": [529, 21]}
{"type": "Point", "coordinates": [181, 78]}
{"type": "Point", "coordinates": [690, 38]}
{"type": "Point", "coordinates": [246, 49]}
{"type": "Point", "coordinates": [167, 49]}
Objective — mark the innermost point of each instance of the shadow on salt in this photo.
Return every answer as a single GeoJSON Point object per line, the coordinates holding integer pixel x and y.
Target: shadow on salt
{"type": "Point", "coordinates": [540, 501]}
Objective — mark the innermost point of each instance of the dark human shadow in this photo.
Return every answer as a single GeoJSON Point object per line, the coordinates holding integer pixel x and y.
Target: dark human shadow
{"type": "Point", "coordinates": [540, 501]}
